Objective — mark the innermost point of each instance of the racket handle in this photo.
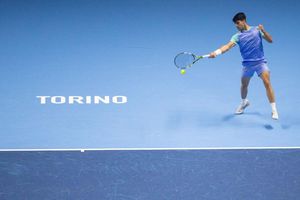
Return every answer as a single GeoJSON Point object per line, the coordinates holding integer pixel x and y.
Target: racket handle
{"type": "Point", "coordinates": [205, 56]}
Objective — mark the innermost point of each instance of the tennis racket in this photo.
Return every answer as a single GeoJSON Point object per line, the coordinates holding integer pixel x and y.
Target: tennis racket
{"type": "Point", "coordinates": [185, 60]}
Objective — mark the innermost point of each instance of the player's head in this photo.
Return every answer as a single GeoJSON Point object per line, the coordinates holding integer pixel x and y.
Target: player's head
{"type": "Point", "coordinates": [240, 21]}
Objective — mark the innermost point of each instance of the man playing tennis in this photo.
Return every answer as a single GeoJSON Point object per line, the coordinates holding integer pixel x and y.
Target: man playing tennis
{"type": "Point", "coordinates": [249, 40]}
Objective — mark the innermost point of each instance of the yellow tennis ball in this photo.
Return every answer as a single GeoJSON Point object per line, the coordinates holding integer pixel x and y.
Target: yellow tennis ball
{"type": "Point", "coordinates": [182, 71]}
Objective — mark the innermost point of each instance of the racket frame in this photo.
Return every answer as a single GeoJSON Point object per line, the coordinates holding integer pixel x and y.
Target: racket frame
{"type": "Point", "coordinates": [196, 58]}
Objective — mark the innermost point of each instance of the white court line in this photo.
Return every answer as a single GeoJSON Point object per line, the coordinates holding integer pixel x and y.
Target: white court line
{"type": "Point", "coordinates": [150, 149]}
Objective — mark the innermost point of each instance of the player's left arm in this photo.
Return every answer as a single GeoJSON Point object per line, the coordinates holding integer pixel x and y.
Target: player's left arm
{"type": "Point", "coordinates": [265, 34]}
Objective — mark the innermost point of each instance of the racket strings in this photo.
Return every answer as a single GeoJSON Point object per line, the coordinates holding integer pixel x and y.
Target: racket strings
{"type": "Point", "coordinates": [184, 60]}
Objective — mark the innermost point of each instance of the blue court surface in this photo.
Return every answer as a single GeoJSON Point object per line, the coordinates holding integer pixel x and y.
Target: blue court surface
{"type": "Point", "coordinates": [100, 48]}
{"type": "Point", "coordinates": [122, 52]}
{"type": "Point", "coordinates": [132, 175]}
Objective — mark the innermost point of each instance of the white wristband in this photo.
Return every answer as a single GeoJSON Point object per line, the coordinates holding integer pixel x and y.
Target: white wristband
{"type": "Point", "coordinates": [218, 52]}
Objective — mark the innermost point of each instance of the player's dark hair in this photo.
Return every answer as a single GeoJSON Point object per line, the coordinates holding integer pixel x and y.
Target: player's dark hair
{"type": "Point", "coordinates": [239, 16]}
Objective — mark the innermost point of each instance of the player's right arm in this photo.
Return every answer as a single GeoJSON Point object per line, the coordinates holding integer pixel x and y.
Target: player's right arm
{"type": "Point", "coordinates": [222, 49]}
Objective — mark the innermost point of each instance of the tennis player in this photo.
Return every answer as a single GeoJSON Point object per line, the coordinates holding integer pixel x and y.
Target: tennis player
{"type": "Point", "coordinates": [249, 39]}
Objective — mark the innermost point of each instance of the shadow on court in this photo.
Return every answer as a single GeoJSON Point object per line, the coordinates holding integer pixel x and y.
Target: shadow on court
{"type": "Point", "coordinates": [200, 119]}
{"type": "Point", "coordinates": [266, 126]}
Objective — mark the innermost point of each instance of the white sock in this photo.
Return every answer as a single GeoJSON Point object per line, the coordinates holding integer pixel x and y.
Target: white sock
{"type": "Point", "coordinates": [273, 106]}
{"type": "Point", "coordinates": [244, 101]}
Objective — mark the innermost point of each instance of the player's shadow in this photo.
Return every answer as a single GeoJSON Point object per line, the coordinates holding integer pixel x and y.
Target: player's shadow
{"type": "Point", "coordinates": [230, 117]}
{"type": "Point", "coordinates": [179, 119]}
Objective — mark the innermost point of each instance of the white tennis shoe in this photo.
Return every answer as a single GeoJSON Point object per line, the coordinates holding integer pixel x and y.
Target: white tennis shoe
{"type": "Point", "coordinates": [240, 109]}
{"type": "Point", "coordinates": [275, 115]}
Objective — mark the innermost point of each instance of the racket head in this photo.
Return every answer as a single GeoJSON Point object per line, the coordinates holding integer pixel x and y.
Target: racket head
{"type": "Point", "coordinates": [185, 59]}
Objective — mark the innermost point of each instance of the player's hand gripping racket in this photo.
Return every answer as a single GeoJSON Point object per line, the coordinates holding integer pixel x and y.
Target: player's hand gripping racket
{"type": "Point", "coordinates": [185, 60]}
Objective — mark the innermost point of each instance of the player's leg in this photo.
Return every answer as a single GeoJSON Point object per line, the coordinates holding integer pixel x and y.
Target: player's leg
{"type": "Point", "coordinates": [245, 80]}
{"type": "Point", "coordinates": [244, 86]}
{"type": "Point", "coordinates": [265, 76]}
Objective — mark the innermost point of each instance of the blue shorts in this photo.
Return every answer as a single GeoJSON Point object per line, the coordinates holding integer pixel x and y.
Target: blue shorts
{"type": "Point", "coordinates": [254, 66]}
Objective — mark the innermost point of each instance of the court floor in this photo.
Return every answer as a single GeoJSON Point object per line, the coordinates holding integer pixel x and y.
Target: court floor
{"type": "Point", "coordinates": [164, 109]}
{"type": "Point", "coordinates": [176, 137]}
{"type": "Point", "coordinates": [162, 174]}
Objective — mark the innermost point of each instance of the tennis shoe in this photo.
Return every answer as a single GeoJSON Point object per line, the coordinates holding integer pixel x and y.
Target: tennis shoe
{"type": "Point", "coordinates": [275, 115]}
{"type": "Point", "coordinates": [240, 109]}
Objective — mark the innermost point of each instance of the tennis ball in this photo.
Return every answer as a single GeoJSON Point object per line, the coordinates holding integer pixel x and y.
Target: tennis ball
{"type": "Point", "coordinates": [182, 71]}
